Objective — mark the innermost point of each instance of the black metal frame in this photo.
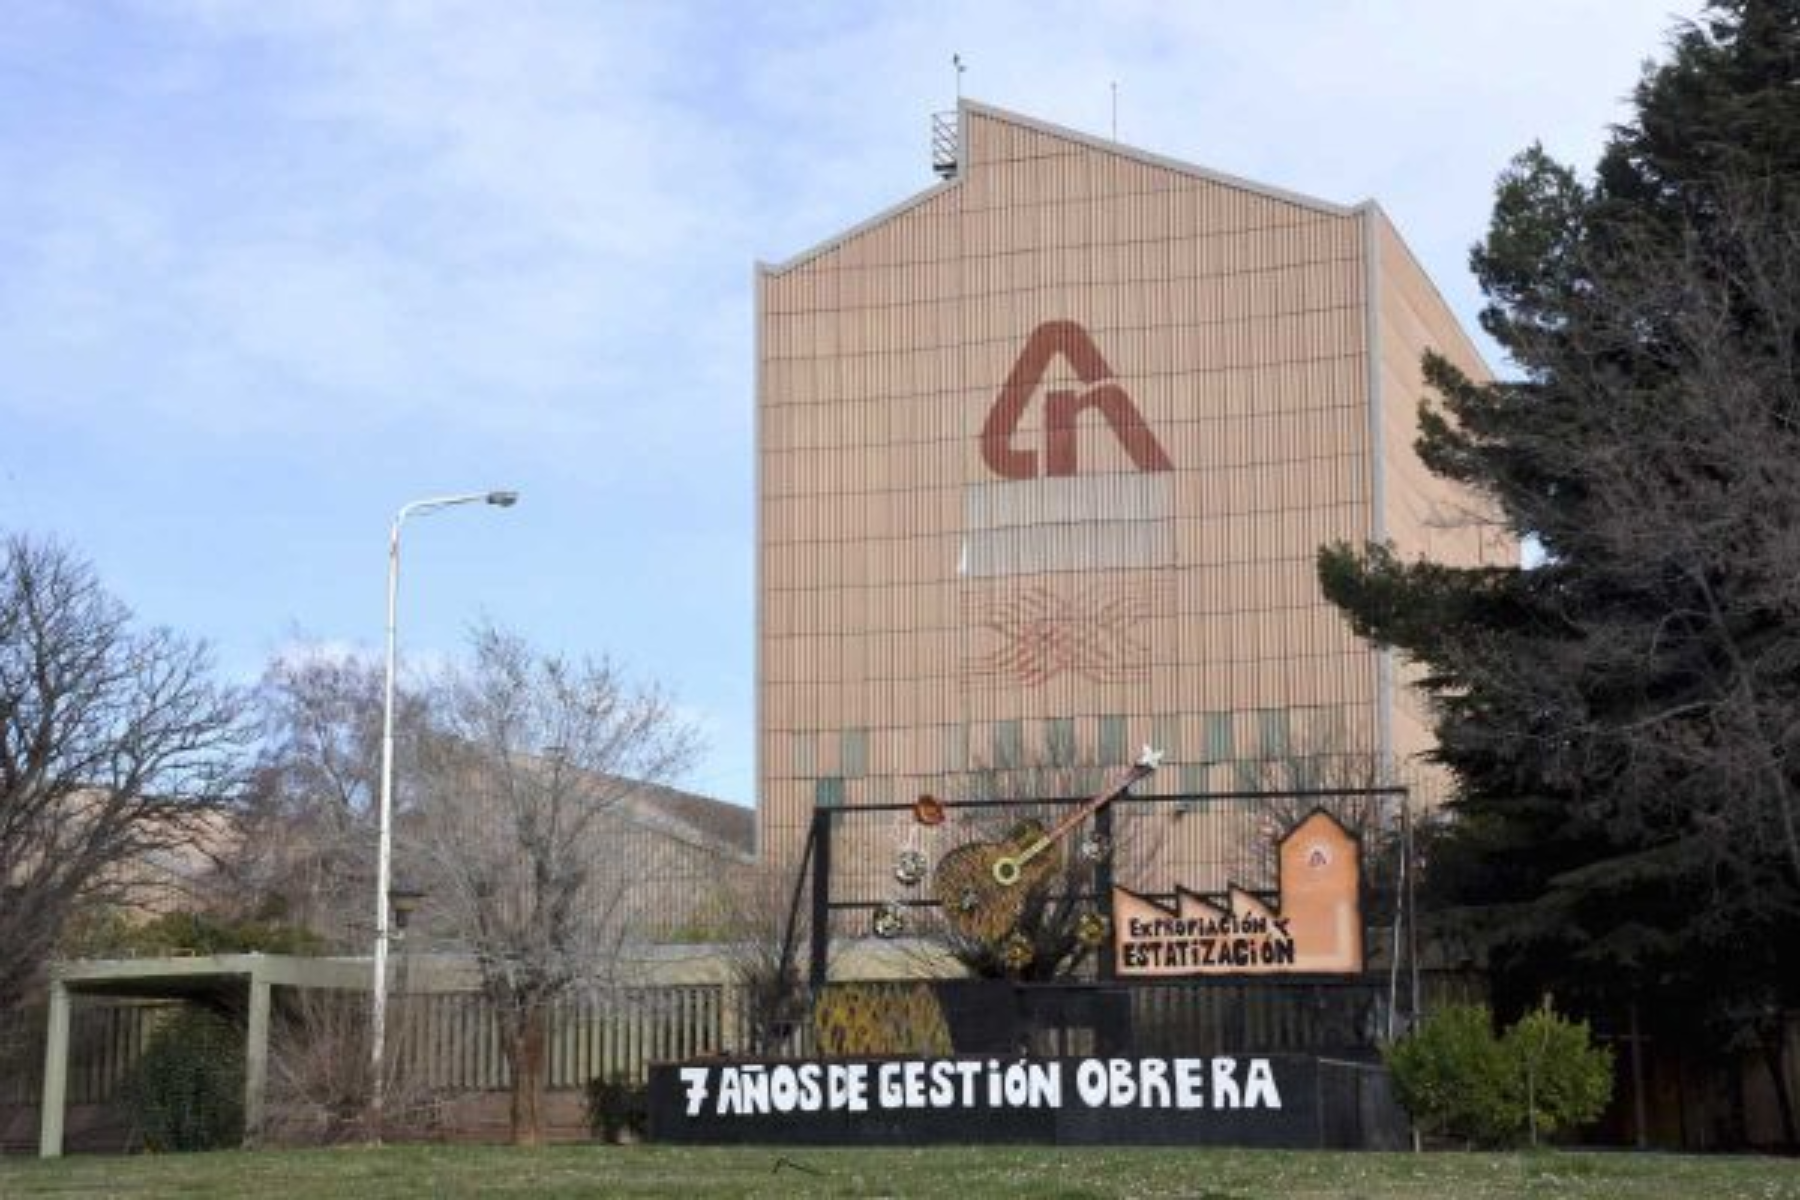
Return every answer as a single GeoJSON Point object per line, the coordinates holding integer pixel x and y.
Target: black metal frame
{"type": "Point", "coordinates": [815, 863]}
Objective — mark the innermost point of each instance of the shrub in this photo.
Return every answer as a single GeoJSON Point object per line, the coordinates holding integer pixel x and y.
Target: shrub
{"type": "Point", "coordinates": [617, 1106]}
{"type": "Point", "coordinates": [187, 1091]}
{"type": "Point", "coordinates": [1457, 1079]}
{"type": "Point", "coordinates": [110, 933]}
{"type": "Point", "coordinates": [1565, 1079]}
{"type": "Point", "coordinates": [1451, 1076]}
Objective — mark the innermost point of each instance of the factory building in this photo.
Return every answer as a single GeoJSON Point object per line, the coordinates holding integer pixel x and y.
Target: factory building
{"type": "Point", "coordinates": [1046, 454]}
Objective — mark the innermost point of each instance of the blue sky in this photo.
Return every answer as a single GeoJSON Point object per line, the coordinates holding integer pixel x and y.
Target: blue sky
{"type": "Point", "coordinates": [270, 269]}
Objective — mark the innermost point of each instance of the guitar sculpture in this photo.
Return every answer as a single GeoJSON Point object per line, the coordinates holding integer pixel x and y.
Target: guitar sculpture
{"type": "Point", "coordinates": [982, 887]}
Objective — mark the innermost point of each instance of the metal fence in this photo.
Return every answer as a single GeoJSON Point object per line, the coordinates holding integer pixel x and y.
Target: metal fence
{"type": "Point", "coordinates": [450, 1040]}
{"type": "Point", "coordinates": [105, 1042]}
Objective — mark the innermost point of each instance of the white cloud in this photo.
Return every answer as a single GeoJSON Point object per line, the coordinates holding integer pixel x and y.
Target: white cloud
{"type": "Point", "coordinates": [538, 220]}
{"type": "Point", "coordinates": [277, 255]}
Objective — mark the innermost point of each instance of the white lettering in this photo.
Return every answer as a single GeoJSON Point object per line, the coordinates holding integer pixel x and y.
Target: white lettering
{"type": "Point", "coordinates": [1154, 1088]}
{"type": "Point", "coordinates": [1046, 1084]}
{"type": "Point", "coordinates": [809, 1087]}
{"type": "Point", "coordinates": [970, 1072]}
{"type": "Point", "coordinates": [753, 1088]}
{"type": "Point", "coordinates": [888, 1085]}
{"type": "Point", "coordinates": [1224, 1083]}
{"type": "Point", "coordinates": [846, 1087]}
{"type": "Point", "coordinates": [1190, 1077]}
{"type": "Point", "coordinates": [784, 1089]}
{"type": "Point", "coordinates": [914, 1075]}
{"type": "Point", "coordinates": [1124, 1087]}
{"type": "Point", "coordinates": [694, 1079]}
{"type": "Point", "coordinates": [943, 1084]}
{"type": "Point", "coordinates": [1259, 1085]}
{"type": "Point", "coordinates": [1090, 1082]}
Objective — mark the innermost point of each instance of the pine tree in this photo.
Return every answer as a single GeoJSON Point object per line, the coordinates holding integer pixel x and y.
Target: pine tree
{"type": "Point", "coordinates": [1623, 717]}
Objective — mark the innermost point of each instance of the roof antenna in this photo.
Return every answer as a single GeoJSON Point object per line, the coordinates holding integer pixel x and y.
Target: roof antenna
{"type": "Point", "coordinates": [1115, 107]}
{"type": "Point", "coordinates": [946, 130]}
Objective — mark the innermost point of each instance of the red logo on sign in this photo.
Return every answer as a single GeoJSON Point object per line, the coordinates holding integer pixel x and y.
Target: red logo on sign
{"type": "Point", "coordinates": [1062, 408]}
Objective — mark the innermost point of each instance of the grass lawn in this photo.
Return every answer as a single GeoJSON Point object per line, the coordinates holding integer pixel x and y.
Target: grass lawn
{"type": "Point", "coordinates": [966, 1173]}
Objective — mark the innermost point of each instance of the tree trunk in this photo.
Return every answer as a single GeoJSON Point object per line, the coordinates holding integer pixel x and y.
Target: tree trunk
{"type": "Point", "coordinates": [527, 1061]}
{"type": "Point", "coordinates": [1775, 1061]}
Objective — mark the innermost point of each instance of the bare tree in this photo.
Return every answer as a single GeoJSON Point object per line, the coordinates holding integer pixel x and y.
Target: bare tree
{"type": "Point", "coordinates": [307, 854]}
{"type": "Point", "coordinates": [115, 744]}
{"type": "Point", "coordinates": [528, 758]}
{"type": "Point", "coordinates": [319, 1070]}
{"type": "Point", "coordinates": [763, 935]}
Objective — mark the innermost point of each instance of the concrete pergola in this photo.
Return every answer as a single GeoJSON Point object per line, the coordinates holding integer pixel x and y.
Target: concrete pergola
{"type": "Point", "coordinates": [245, 982]}
{"type": "Point", "coordinates": [228, 979]}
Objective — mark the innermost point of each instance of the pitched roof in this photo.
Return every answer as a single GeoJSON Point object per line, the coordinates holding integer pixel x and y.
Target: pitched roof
{"type": "Point", "coordinates": [968, 108]}
{"type": "Point", "coordinates": [728, 827]}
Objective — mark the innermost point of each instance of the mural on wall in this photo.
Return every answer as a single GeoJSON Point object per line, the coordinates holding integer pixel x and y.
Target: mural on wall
{"type": "Point", "coordinates": [1040, 633]}
{"type": "Point", "coordinates": [1070, 341]}
{"type": "Point", "coordinates": [1037, 516]}
{"type": "Point", "coordinates": [1314, 928]}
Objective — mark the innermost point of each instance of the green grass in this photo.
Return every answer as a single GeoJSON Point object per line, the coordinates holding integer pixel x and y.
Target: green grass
{"type": "Point", "coordinates": [966, 1173]}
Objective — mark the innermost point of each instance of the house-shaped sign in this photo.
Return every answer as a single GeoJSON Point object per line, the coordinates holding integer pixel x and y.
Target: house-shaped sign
{"type": "Point", "coordinates": [1315, 927]}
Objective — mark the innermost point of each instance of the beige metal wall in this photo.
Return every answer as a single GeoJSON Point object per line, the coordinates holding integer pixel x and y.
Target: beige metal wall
{"type": "Point", "coordinates": [923, 615]}
{"type": "Point", "coordinates": [1423, 515]}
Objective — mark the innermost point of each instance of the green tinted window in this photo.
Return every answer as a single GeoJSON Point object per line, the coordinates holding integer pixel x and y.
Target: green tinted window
{"type": "Point", "coordinates": [1112, 740]}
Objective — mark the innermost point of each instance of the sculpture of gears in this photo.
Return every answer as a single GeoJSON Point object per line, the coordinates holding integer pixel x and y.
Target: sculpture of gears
{"type": "Point", "coordinates": [890, 921]}
{"type": "Point", "coordinates": [910, 867]}
{"type": "Point", "coordinates": [1090, 929]}
{"type": "Point", "coordinates": [1017, 952]}
{"type": "Point", "coordinates": [1094, 847]}
{"type": "Point", "coordinates": [916, 829]}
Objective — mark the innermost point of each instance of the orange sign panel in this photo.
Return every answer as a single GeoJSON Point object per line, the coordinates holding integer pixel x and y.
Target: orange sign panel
{"type": "Point", "coordinates": [1314, 929]}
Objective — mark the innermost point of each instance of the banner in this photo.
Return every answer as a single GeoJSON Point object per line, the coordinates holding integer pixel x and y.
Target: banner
{"type": "Point", "coordinates": [1314, 928]}
{"type": "Point", "coordinates": [1263, 1100]}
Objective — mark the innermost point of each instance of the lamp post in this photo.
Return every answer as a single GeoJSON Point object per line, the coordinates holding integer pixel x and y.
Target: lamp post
{"type": "Point", "coordinates": [384, 853]}
{"type": "Point", "coordinates": [403, 901]}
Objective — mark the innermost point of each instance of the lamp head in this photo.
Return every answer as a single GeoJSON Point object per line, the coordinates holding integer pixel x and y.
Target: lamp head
{"type": "Point", "coordinates": [402, 901]}
{"type": "Point", "coordinates": [503, 499]}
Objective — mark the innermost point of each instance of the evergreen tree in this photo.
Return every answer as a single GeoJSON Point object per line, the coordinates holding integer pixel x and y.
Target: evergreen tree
{"type": "Point", "coordinates": [1623, 717]}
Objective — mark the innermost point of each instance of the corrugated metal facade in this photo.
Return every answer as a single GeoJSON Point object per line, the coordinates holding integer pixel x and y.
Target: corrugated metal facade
{"type": "Point", "coordinates": [1046, 455]}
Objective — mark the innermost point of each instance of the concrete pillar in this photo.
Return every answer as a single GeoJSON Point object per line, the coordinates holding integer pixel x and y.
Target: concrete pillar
{"type": "Point", "coordinates": [256, 1059]}
{"type": "Point", "coordinates": [56, 1074]}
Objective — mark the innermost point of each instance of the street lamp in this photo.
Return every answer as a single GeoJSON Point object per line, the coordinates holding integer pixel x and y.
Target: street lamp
{"type": "Point", "coordinates": [378, 1022]}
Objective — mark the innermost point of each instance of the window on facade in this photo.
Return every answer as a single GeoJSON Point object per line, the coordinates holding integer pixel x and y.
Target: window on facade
{"type": "Point", "coordinates": [1113, 747]}
{"type": "Point", "coordinates": [1219, 747]}
{"type": "Point", "coordinates": [1009, 745]}
{"type": "Point", "coordinates": [853, 752]}
{"type": "Point", "coordinates": [1272, 732]}
{"type": "Point", "coordinates": [956, 748]}
{"type": "Point", "coordinates": [805, 761]}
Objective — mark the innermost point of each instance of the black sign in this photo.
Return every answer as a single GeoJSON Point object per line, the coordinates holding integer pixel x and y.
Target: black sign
{"type": "Point", "coordinates": [1265, 1100]}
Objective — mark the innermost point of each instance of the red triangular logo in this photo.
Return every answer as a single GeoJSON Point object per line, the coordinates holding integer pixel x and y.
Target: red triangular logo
{"type": "Point", "coordinates": [1072, 342]}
